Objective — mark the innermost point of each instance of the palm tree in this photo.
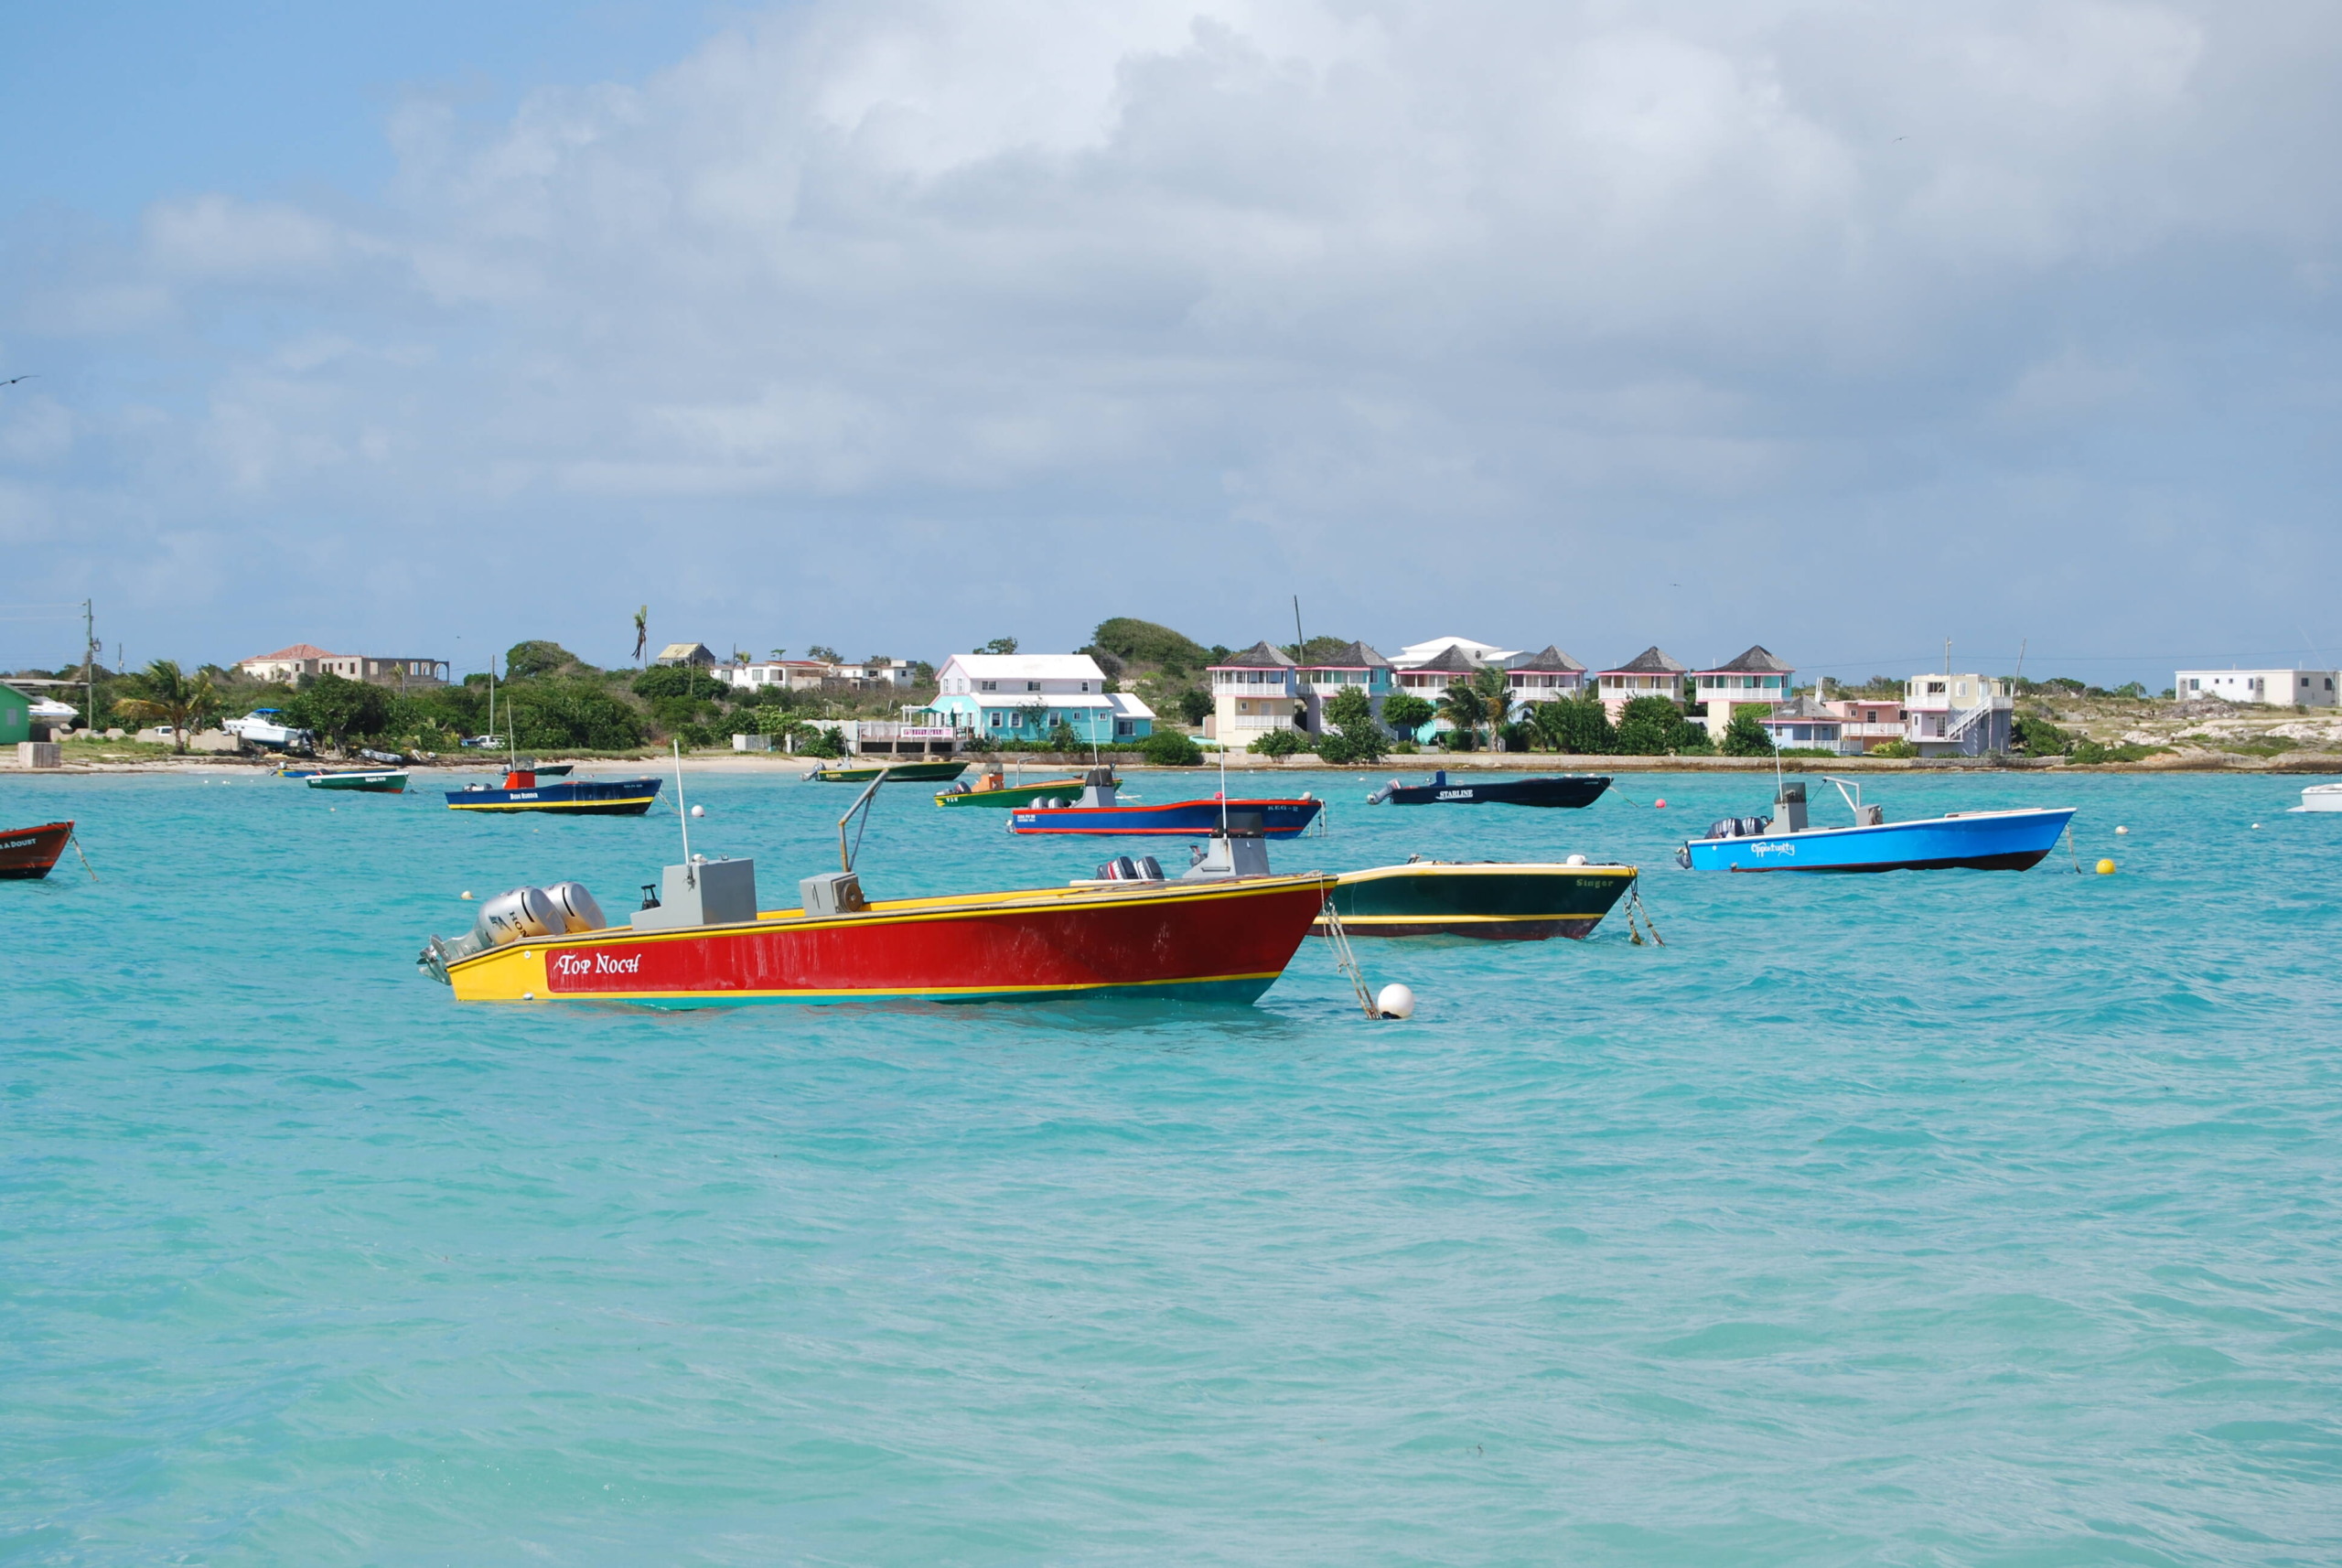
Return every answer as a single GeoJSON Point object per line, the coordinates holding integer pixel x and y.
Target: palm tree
{"type": "Point", "coordinates": [1463, 706]}
{"type": "Point", "coordinates": [1494, 689]}
{"type": "Point", "coordinates": [641, 631]}
{"type": "Point", "coordinates": [168, 694]}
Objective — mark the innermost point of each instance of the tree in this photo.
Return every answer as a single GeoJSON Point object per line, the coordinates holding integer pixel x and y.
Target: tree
{"type": "Point", "coordinates": [1279, 743]}
{"type": "Point", "coordinates": [1063, 736]}
{"type": "Point", "coordinates": [999, 645]}
{"type": "Point", "coordinates": [338, 709]}
{"type": "Point", "coordinates": [1405, 714]}
{"type": "Point", "coordinates": [1170, 748]}
{"type": "Point", "coordinates": [1579, 726]}
{"type": "Point", "coordinates": [167, 694]}
{"type": "Point", "coordinates": [824, 652]}
{"type": "Point", "coordinates": [641, 631]}
{"type": "Point", "coordinates": [1653, 727]}
{"type": "Point", "coordinates": [675, 680]}
{"type": "Point", "coordinates": [1746, 737]}
{"type": "Point", "coordinates": [1352, 737]}
{"type": "Point", "coordinates": [779, 654]}
{"type": "Point", "coordinates": [1195, 705]}
{"type": "Point", "coordinates": [1143, 642]}
{"type": "Point", "coordinates": [538, 657]}
{"type": "Point", "coordinates": [553, 714]}
{"type": "Point", "coordinates": [1480, 700]}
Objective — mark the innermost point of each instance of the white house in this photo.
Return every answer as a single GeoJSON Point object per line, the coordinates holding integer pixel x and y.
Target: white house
{"type": "Point", "coordinates": [1024, 696]}
{"type": "Point", "coordinates": [1958, 715]}
{"type": "Point", "coordinates": [2281, 688]}
{"type": "Point", "coordinates": [1416, 655]}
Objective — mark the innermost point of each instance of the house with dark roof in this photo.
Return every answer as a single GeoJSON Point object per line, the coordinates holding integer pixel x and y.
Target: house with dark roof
{"type": "Point", "coordinates": [1802, 723]}
{"type": "Point", "coordinates": [1252, 691]}
{"type": "Point", "coordinates": [1543, 677]}
{"type": "Point", "coordinates": [1355, 666]}
{"type": "Point", "coordinates": [1651, 673]}
{"type": "Point", "coordinates": [1753, 678]}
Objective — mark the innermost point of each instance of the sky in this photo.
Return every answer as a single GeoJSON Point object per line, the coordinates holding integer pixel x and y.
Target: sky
{"type": "Point", "coordinates": [902, 325]}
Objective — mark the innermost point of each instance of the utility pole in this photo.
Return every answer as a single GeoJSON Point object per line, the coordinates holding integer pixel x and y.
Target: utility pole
{"type": "Point", "coordinates": [90, 661]}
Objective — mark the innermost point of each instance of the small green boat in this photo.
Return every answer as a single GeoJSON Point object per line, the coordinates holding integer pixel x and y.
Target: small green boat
{"type": "Point", "coordinates": [367, 781]}
{"type": "Point", "coordinates": [1491, 900]}
{"type": "Point", "coordinates": [991, 790]}
{"type": "Point", "coordinates": [894, 773]}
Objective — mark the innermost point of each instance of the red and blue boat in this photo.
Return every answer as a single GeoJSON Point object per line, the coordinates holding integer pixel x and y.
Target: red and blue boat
{"type": "Point", "coordinates": [1974, 840]}
{"type": "Point", "coordinates": [1099, 811]}
{"type": "Point", "coordinates": [523, 791]}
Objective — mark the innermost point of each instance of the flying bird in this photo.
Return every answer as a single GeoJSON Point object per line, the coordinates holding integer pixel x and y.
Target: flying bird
{"type": "Point", "coordinates": [12, 381]}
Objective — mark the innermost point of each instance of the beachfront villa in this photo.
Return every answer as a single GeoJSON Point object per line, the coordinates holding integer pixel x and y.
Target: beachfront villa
{"type": "Point", "coordinates": [287, 665]}
{"type": "Point", "coordinates": [1865, 724]}
{"type": "Point", "coordinates": [2283, 688]}
{"type": "Point", "coordinates": [1958, 715]}
{"type": "Point", "coordinates": [1025, 696]}
{"type": "Point", "coordinates": [1800, 723]}
{"type": "Point", "coordinates": [1547, 676]}
{"type": "Point", "coordinates": [810, 674]}
{"type": "Point", "coordinates": [1754, 677]}
{"type": "Point", "coordinates": [1651, 673]}
{"type": "Point", "coordinates": [1252, 692]}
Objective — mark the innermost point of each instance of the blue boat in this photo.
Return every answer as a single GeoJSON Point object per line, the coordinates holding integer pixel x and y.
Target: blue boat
{"type": "Point", "coordinates": [576, 798]}
{"type": "Point", "coordinates": [1099, 811]}
{"type": "Point", "coordinates": [1974, 841]}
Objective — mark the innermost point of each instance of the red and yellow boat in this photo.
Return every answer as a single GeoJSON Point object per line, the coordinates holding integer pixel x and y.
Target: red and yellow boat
{"type": "Point", "coordinates": [1218, 940]}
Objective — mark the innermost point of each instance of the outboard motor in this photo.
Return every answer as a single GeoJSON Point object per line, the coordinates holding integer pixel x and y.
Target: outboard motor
{"type": "Point", "coordinates": [579, 912]}
{"type": "Point", "coordinates": [513, 917]}
{"type": "Point", "coordinates": [1724, 828]}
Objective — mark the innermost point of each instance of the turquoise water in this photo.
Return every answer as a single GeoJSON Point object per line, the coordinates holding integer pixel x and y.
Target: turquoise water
{"type": "Point", "coordinates": [1947, 1218]}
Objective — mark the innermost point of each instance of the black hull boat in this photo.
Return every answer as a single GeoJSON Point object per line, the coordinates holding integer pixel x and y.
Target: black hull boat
{"type": "Point", "coordinates": [1491, 900]}
{"type": "Point", "coordinates": [1552, 790]}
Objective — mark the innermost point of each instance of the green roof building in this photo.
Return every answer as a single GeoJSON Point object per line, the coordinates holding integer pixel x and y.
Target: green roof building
{"type": "Point", "coordinates": [16, 716]}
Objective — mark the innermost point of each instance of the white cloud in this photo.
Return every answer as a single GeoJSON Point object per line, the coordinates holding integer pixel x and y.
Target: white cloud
{"type": "Point", "coordinates": [1340, 273]}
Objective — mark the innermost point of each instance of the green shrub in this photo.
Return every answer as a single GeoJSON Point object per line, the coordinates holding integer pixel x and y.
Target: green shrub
{"type": "Point", "coordinates": [1655, 726]}
{"type": "Point", "coordinates": [1579, 725]}
{"type": "Point", "coordinates": [1279, 743]}
{"type": "Point", "coordinates": [676, 680]}
{"type": "Point", "coordinates": [1170, 748]}
{"type": "Point", "coordinates": [1895, 748]}
{"type": "Point", "coordinates": [1746, 738]}
{"type": "Point", "coordinates": [580, 714]}
{"type": "Point", "coordinates": [1195, 705]}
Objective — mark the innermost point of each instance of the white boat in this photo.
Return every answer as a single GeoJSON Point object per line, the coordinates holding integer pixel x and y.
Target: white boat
{"type": "Point", "coordinates": [264, 726]}
{"type": "Point", "coordinates": [2321, 797]}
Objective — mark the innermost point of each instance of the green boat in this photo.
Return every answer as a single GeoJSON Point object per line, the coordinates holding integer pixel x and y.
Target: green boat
{"type": "Point", "coordinates": [1492, 900]}
{"type": "Point", "coordinates": [367, 781]}
{"type": "Point", "coordinates": [893, 772]}
{"type": "Point", "coordinates": [991, 790]}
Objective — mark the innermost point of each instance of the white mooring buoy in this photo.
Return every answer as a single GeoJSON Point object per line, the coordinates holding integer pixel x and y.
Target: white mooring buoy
{"type": "Point", "coordinates": [1396, 1001]}
{"type": "Point", "coordinates": [699, 811]}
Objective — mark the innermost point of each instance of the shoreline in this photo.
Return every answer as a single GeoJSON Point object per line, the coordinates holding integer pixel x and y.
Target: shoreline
{"type": "Point", "coordinates": [2188, 762]}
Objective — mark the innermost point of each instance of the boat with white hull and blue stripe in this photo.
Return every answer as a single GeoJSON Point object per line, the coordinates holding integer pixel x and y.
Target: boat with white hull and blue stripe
{"type": "Point", "coordinates": [1974, 840]}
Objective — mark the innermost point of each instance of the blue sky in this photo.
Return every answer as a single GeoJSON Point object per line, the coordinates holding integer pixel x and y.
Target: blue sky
{"type": "Point", "coordinates": [902, 326]}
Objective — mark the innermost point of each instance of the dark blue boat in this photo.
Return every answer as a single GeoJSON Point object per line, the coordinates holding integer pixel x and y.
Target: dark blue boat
{"type": "Point", "coordinates": [580, 797]}
{"type": "Point", "coordinates": [1552, 789]}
